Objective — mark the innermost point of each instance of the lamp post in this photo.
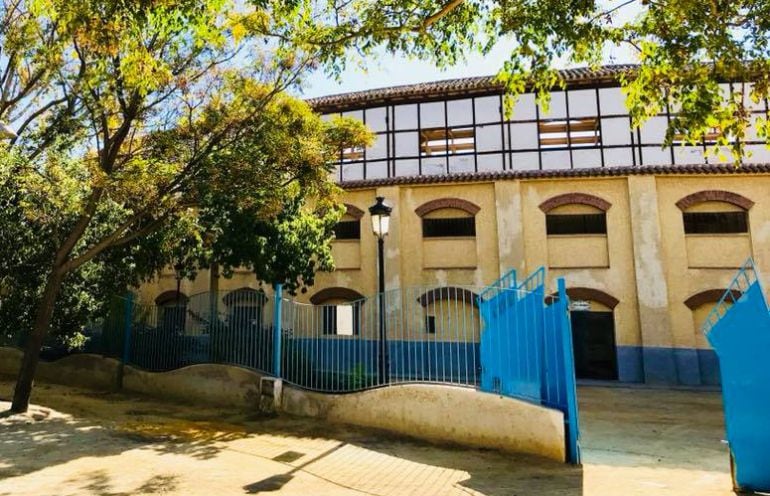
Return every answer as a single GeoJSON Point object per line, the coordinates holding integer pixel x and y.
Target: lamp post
{"type": "Point", "coordinates": [380, 224]}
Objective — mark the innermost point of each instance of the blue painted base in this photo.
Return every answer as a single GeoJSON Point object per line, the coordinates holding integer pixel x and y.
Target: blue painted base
{"type": "Point", "coordinates": [674, 366]}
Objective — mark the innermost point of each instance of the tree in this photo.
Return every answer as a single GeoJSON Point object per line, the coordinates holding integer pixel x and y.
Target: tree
{"type": "Point", "coordinates": [130, 109]}
{"type": "Point", "coordinates": [130, 130]}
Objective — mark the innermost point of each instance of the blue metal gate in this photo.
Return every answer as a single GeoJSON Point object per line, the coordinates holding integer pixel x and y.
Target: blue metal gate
{"type": "Point", "coordinates": [526, 348]}
{"type": "Point", "coordinates": [739, 330]}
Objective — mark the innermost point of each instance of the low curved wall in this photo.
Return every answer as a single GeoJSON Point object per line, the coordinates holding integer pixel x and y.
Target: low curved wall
{"type": "Point", "coordinates": [10, 360]}
{"type": "Point", "coordinates": [440, 413]}
{"type": "Point", "coordinates": [82, 369]}
{"type": "Point", "coordinates": [209, 383]}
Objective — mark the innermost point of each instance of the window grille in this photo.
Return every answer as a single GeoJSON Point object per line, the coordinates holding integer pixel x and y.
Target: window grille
{"type": "Point", "coordinates": [715, 222]}
{"type": "Point", "coordinates": [348, 229]}
{"type": "Point", "coordinates": [447, 228]}
{"type": "Point", "coordinates": [576, 224]}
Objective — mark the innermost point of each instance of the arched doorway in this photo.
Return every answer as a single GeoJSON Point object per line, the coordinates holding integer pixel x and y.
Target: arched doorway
{"type": "Point", "coordinates": [593, 334]}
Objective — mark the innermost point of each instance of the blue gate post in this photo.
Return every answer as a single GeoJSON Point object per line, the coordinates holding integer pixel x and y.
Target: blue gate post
{"type": "Point", "coordinates": [571, 419]}
{"type": "Point", "coordinates": [128, 313]}
{"type": "Point", "coordinates": [277, 330]}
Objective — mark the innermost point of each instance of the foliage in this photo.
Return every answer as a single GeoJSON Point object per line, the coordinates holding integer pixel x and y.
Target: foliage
{"type": "Point", "coordinates": [138, 121]}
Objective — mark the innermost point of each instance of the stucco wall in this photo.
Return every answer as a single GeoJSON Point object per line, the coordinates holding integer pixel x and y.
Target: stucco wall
{"type": "Point", "coordinates": [212, 384]}
{"type": "Point", "coordinates": [648, 265]}
{"type": "Point", "coordinates": [82, 370]}
{"type": "Point", "coordinates": [441, 414]}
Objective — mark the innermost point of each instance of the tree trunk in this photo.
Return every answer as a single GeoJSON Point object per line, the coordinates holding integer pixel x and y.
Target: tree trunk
{"type": "Point", "coordinates": [31, 358]}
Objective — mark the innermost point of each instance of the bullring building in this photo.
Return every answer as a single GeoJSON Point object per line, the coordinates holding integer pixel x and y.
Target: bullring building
{"type": "Point", "coordinates": [647, 237]}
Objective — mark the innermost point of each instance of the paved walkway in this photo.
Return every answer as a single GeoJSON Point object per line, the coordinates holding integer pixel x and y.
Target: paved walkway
{"type": "Point", "coordinates": [636, 442]}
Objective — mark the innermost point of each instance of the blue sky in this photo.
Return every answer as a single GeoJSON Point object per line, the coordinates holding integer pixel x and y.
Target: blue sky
{"type": "Point", "coordinates": [389, 70]}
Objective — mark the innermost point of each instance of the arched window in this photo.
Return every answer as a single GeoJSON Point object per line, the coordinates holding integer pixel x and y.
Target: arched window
{"type": "Point", "coordinates": [245, 308]}
{"type": "Point", "coordinates": [451, 313]}
{"type": "Point", "coordinates": [700, 305]}
{"type": "Point", "coordinates": [575, 214]}
{"type": "Point", "coordinates": [349, 227]}
{"type": "Point", "coordinates": [340, 311]}
{"type": "Point", "coordinates": [448, 218]}
{"type": "Point", "coordinates": [715, 212]}
{"type": "Point", "coordinates": [449, 233]}
{"type": "Point", "coordinates": [576, 230]}
{"type": "Point", "coordinates": [716, 228]}
{"type": "Point", "coordinates": [172, 311]}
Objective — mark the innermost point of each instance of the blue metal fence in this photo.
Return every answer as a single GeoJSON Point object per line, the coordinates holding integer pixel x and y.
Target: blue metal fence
{"type": "Point", "coordinates": [526, 348]}
{"type": "Point", "coordinates": [428, 334]}
{"type": "Point", "coordinates": [507, 338]}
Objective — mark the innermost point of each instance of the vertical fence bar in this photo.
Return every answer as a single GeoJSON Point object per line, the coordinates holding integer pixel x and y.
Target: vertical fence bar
{"type": "Point", "coordinates": [128, 311]}
{"type": "Point", "coordinates": [277, 330]}
{"type": "Point", "coordinates": [571, 420]}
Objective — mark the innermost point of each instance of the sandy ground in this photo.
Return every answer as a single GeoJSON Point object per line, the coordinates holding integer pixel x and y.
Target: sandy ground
{"type": "Point", "coordinates": [635, 442]}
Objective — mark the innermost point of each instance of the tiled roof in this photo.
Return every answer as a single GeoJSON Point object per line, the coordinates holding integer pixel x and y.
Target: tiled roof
{"type": "Point", "coordinates": [577, 77]}
{"type": "Point", "coordinates": [467, 177]}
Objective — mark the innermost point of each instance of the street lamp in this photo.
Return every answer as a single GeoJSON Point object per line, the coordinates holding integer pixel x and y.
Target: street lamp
{"type": "Point", "coordinates": [380, 225]}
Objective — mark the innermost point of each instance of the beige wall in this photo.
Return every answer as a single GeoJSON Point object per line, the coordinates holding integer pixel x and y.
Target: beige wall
{"type": "Point", "coordinates": [645, 261]}
{"type": "Point", "coordinates": [441, 414]}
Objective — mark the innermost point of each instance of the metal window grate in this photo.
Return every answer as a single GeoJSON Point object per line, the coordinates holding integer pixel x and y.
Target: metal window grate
{"type": "Point", "coordinates": [576, 224]}
{"type": "Point", "coordinates": [348, 229]}
{"type": "Point", "coordinates": [446, 228]}
{"type": "Point", "coordinates": [715, 222]}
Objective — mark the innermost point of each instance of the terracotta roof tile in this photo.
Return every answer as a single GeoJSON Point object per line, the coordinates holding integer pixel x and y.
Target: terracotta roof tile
{"type": "Point", "coordinates": [464, 177]}
{"type": "Point", "coordinates": [576, 77]}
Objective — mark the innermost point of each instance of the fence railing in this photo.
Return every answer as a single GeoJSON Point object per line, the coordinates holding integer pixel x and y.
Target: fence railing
{"type": "Point", "coordinates": [507, 338]}
{"type": "Point", "coordinates": [742, 281]}
{"type": "Point", "coordinates": [424, 335]}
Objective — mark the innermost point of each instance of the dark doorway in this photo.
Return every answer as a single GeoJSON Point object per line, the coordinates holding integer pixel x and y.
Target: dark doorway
{"type": "Point", "coordinates": [593, 337]}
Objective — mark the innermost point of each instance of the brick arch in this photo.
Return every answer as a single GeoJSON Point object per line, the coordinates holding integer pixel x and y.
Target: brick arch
{"type": "Point", "coordinates": [171, 297]}
{"type": "Point", "coordinates": [245, 294]}
{"type": "Point", "coordinates": [440, 203]}
{"type": "Point", "coordinates": [709, 296]}
{"type": "Point", "coordinates": [573, 198]}
{"type": "Point", "coordinates": [448, 293]}
{"type": "Point", "coordinates": [353, 211]}
{"type": "Point", "coordinates": [335, 293]}
{"type": "Point", "coordinates": [715, 195]}
{"type": "Point", "coordinates": [592, 294]}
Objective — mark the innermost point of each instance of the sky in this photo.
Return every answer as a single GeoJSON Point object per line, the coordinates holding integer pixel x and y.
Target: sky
{"type": "Point", "coordinates": [390, 70]}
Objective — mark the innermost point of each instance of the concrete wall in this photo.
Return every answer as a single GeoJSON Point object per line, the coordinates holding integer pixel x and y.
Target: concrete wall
{"type": "Point", "coordinates": [82, 370]}
{"type": "Point", "coordinates": [441, 414]}
{"type": "Point", "coordinates": [212, 384]}
{"type": "Point", "coordinates": [434, 413]}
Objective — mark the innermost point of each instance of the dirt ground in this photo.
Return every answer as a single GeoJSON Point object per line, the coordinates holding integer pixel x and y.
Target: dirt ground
{"type": "Point", "coordinates": [635, 442]}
